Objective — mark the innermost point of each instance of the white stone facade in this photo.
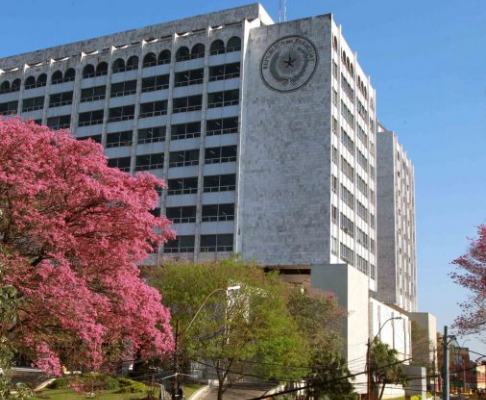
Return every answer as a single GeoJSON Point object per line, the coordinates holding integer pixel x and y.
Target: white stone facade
{"type": "Point", "coordinates": [285, 178]}
{"type": "Point", "coordinates": [397, 273]}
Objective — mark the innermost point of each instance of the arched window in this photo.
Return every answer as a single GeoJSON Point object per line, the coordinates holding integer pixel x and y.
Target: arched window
{"type": "Point", "coordinates": [149, 60]}
{"type": "Point", "coordinates": [132, 63]}
{"type": "Point", "coordinates": [70, 75]}
{"type": "Point", "coordinates": [16, 85]}
{"type": "Point", "coordinates": [5, 87]}
{"type": "Point", "coordinates": [217, 47]}
{"type": "Point", "coordinates": [197, 51]}
{"type": "Point", "coordinates": [56, 77]}
{"type": "Point", "coordinates": [182, 54]}
{"type": "Point", "coordinates": [102, 69]}
{"type": "Point", "coordinates": [41, 80]}
{"type": "Point", "coordinates": [351, 69]}
{"type": "Point", "coordinates": [88, 71]}
{"type": "Point", "coordinates": [234, 44]}
{"type": "Point", "coordinates": [164, 57]}
{"type": "Point", "coordinates": [119, 65]}
{"type": "Point", "coordinates": [334, 43]}
{"type": "Point", "coordinates": [30, 82]}
{"type": "Point", "coordinates": [343, 57]}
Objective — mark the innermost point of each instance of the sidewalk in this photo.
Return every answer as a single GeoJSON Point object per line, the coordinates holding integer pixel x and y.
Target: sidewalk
{"type": "Point", "coordinates": [237, 391]}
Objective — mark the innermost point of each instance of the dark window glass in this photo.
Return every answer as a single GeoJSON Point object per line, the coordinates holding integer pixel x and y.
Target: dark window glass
{"type": "Point", "coordinates": [151, 135]}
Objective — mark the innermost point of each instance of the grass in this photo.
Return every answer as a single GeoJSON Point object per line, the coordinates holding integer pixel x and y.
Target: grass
{"type": "Point", "coordinates": [68, 394]}
{"type": "Point", "coordinates": [190, 388]}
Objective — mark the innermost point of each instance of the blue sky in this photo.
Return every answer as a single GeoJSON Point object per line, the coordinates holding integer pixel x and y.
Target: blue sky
{"type": "Point", "coordinates": [427, 60]}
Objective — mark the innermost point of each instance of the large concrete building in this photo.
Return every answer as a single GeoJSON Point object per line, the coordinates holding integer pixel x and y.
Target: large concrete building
{"type": "Point", "coordinates": [265, 133]}
{"type": "Point", "coordinates": [397, 272]}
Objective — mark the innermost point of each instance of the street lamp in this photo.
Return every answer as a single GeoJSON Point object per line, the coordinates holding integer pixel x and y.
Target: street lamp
{"type": "Point", "coordinates": [368, 351]}
{"type": "Point", "coordinates": [463, 362]}
{"type": "Point", "coordinates": [178, 338]}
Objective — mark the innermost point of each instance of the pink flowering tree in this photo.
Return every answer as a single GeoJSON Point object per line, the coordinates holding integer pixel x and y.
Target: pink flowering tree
{"type": "Point", "coordinates": [471, 274]}
{"type": "Point", "coordinates": [72, 232]}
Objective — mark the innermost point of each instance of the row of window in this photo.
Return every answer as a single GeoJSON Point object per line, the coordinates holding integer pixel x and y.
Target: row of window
{"type": "Point", "coordinates": [210, 213]}
{"type": "Point", "coordinates": [120, 65]}
{"type": "Point", "coordinates": [183, 158]}
{"type": "Point", "coordinates": [209, 243]}
{"type": "Point", "coordinates": [157, 108]}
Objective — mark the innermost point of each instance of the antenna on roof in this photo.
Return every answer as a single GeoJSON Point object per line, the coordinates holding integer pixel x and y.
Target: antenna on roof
{"type": "Point", "coordinates": [282, 10]}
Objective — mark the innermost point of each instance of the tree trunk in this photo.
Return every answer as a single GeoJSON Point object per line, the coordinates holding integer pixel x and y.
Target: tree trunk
{"type": "Point", "coordinates": [382, 391]}
{"type": "Point", "coordinates": [220, 390]}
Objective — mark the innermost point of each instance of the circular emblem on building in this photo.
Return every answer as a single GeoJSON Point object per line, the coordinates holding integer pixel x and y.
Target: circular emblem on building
{"type": "Point", "coordinates": [289, 63]}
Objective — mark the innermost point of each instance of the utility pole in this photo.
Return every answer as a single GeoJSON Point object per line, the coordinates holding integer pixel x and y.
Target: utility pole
{"type": "Point", "coordinates": [175, 382]}
{"type": "Point", "coordinates": [446, 339]}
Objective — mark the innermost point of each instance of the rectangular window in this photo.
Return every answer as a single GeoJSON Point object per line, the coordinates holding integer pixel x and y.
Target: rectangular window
{"type": "Point", "coordinates": [32, 104]}
{"type": "Point", "coordinates": [213, 243]}
{"type": "Point", "coordinates": [186, 78]}
{"type": "Point", "coordinates": [362, 136]}
{"type": "Point", "coordinates": [181, 215]}
{"type": "Point", "coordinates": [151, 135]}
{"type": "Point", "coordinates": [362, 186]}
{"type": "Point", "coordinates": [347, 141]}
{"type": "Point", "coordinates": [225, 71]}
{"type": "Point", "coordinates": [334, 246]}
{"type": "Point", "coordinates": [220, 183]}
{"type": "Point", "coordinates": [347, 226]}
{"type": "Point", "coordinates": [334, 155]}
{"type": "Point", "coordinates": [334, 97]}
{"type": "Point", "coordinates": [61, 99]}
{"type": "Point", "coordinates": [185, 131]}
{"type": "Point", "coordinates": [184, 158]}
{"type": "Point", "coordinates": [222, 154]}
{"type": "Point", "coordinates": [123, 88]}
{"type": "Point", "coordinates": [182, 186]}
{"type": "Point", "coordinates": [347, 88]}
{"type": "Point", "coordinates": [334, 215]}
{"type": "Point", "coordinates": [334, 125]}
{"type": "Point", "coordinates": [347, 114]}
{"type": "Point", "coordinates": [347, 169]}
{"type": "Point", "coordinates": [93, 93]}
{"type": "Point", "coordinates": [90, 118]}
{"type": "Point", "coordinates": [372, 221]}
{"type": "Point", "coordinates": [334, 69]}
{"type": "Point", "coordinates": [9, 108]}
{"type": "Point", "coordinates": [362, 160]}
{"type": "Point", "coordinates": [218, 212]}
{"type": "Point", "coordinates": [347, 197]}
{"type": "Point", "coordinates": [154, 83]}
{"type": "Point", "coordinates": [119, 139]}
{"type": "Point", "coordinates": [153, 109]}
{"type": "Point", "coordinates": [221, 126]}
{"type": "Point", "coordinates": [184, 104]}
{"type": "Point", "coordinates": [124, 113]}
{"type": "Point", "coordinates": [362, 238]}
{"type": "Point", "coordinates": [347, 254]}
{"type": "Point", "coordinates": [362, 264]}
{"type": "Point", "coordinates": [181, 244]}
{"type": "Point", "coordinates": [122, 163]}
{"type": "Point", "coordinates": [95, 138]}
{"type": "Point", "coordinates": [334, 184]}
{"type": "Point", "coordinates": [362, 211]}
{"type": "Point", "coordinates": [146, 162]}
{"type": "Point", "coordinates": [61, 122]}
{"type": "Point", "coordinates": [223, 99]}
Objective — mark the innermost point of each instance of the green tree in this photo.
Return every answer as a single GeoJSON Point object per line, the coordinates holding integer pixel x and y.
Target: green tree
{"type": "Point", "coordinates": [385, 368]}
{"type": "Point", "coordinates": [320, 319]}
{"type": "Point", "coordinates": [249, 330]}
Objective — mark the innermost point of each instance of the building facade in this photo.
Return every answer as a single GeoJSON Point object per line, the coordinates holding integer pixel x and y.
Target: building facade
{"type": "Point", "coordinates": [397, 283]}
{"type": "Point", "coordinates": [265, 133]}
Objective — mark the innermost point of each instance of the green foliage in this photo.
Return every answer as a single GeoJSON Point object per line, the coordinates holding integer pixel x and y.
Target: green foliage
{"type": "Point", "coordinates": [131, 386]}
{"type": "Point", "coordinates": [385, 367]}
{"type": "Point", "coordinates": [97, 380]}
{"type": "Point", "coordinates": [238, 329]}
{"type": "Point", "coordinates": [8, 316]}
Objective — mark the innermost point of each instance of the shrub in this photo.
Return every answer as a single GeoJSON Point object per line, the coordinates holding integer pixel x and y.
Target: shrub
{"type": "Point", "coordinates": [131, 386]}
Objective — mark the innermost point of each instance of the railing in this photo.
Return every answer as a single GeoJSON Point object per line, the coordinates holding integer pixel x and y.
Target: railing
{"type": "Point", "coordinates": [155, 88]}
{"type": "Point", "coordinates": [90, 122]}
{"type": "Point", "coordinates": [118, 144]}
{"type": "Point", "coordinates": [32, 108]}
{"type": "Point", "coordinates": [152, 113]}
{"type": "Point", "coordinates": [124, 93]}
{"type": "Point", "coordinates": [224, 76]}
{"type": "Point", "coordinates": [187, 135]}
{"type": "Point", "coordinates": [205, 249]}
{"type": "Point", "coordinates": [226, 188]}
{"type": "Point", "coordinates": [61, 103]}
{"type": "Point", "coordinates": [186, 108]}
{"type": "Point", "coordinates": [185, 163]}
{"type": "Point", "coordinates": [10, 90]}
{"type": "Point", "coordinates": [178, 249]}
{"type": "Point", "coordinates": [149, 167]}
{"type": "Point", "coordinates": [152, 140]}
{"type": "Point", "coordinates": [183, 220]}
{"type": "Point", "coordinates": [218, 160]}
{"type": "Point", "coordinates": [213, 218]}
{"type": "Point", "coordinates": [221, 131]}
{"type": "Point", "coordinates": [121, 118]}
{"type": "Point", "coordinates": [182, 191]}
{"type": "Point", "coordinates": [196, 81]}
{"type": "Point", "coordinates": [93, 98]}
{"type": "Point", "coordinates": [35, 85]}
{"type": "Point", "coordinates": [225, 103]}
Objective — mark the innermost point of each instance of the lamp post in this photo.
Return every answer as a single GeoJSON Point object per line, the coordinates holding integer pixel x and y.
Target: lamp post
{"type": "Point", "coordinates": [463, 362]}
{"type": "Point", "coordinates": [178, 339]}
{"type": "Point", "coordinates": [368, 361]}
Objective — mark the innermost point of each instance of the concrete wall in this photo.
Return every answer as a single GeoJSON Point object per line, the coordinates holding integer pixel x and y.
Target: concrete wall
{"type": "Point", "coordinates": [285, 171]}
{"type": "Point", "coordinates": [351, 289]}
